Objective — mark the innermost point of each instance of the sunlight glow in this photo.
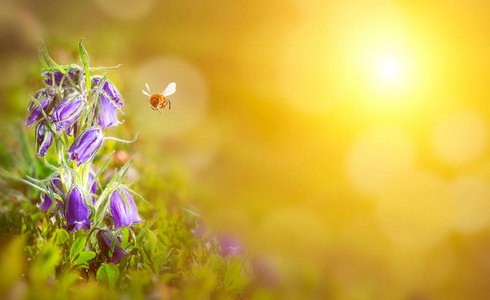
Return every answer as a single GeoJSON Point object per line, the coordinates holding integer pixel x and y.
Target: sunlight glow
{"type": "Point", "coordinates": [390, 70]}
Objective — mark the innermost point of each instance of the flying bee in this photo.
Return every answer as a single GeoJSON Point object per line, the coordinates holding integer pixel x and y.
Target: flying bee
{"type": "Point", "coordinates": [158, 101]}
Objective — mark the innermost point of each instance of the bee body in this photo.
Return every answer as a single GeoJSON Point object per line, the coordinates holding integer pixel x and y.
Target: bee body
{"type": "Point", "coordinates": [158, 101]}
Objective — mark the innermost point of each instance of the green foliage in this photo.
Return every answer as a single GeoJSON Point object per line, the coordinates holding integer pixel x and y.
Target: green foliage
{"type": "Point", "coordinates": [77, 247]}
{"type": "Point", "coordinates": [164, 258]}
{"type": "Point", "coordinates": [108, 274]}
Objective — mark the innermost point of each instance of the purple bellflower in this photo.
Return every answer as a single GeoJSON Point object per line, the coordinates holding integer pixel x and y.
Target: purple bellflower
{"type": "Point", "coordinates": [122, 213]}
{"type": "Point", "coordinates": [58, 76]}
{"type": "Point", "coordinates": [46, 198]}
{"type": "Point", "coordinates": [107, 115]}
{"type": "Point", "coordinates": [230, 246]}
{"type": "Point", "coordinates": [67, 112]}
{"type": "Point", "coordinates": [43, 139]}
{"type": "Point", "coordinates": [111, 91]}
{"type": "Point", "coordinates": [105, 240]}
{"type": "Point", "coordinates": [86, 145]}
{"type": "Point", "coordinates": [35, 112]}
{"type": "Point", "coordinates": [76, 211]}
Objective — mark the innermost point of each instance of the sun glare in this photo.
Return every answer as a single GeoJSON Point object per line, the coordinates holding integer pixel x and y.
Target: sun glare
{"type": "Point", "coordinates": [390, 70]}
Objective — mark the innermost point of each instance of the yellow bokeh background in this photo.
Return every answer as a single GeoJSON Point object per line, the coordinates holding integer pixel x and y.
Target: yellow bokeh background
{"type": "Point", "coordinates": [345, 143]}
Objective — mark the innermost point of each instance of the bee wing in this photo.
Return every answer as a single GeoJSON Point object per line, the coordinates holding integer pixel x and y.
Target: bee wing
{"type": "Point", "coordinates": [144, 92]}
{"type": "Point", "coordinates": [169, 90]}
{"type": "Point", "coordinates": [148, 88]}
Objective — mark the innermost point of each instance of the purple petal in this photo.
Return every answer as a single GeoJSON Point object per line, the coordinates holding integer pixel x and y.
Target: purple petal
{"type": "Point", "coordinates": [230, 246]}
{"type": "Point", "coordinates": [112, 91]}
{"type": "Point", "coordinates": [43, 139]}
{"type": "Point", "coordinates": [77, 213]}
{"type": "Point", "coordinates": [46, 198]}
{"type": "Point", "coordinates": [124, 215]}
{"type": "Point", "coordinates": [108, 115]}
{"type": "Point", "coordinates": [105, 239]}
{"type": "Point", "coordinates": [86, 145]}
{"type": "Point", "coordinates": [57, 78]}
{"type": "Point", "coordinates": [36, 113]}
{"type": "Point", "coordinates": [67, 112]}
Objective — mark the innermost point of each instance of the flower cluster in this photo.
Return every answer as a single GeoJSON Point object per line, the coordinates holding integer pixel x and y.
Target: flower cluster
{"type": "Point", "coordinates": [70, 114]}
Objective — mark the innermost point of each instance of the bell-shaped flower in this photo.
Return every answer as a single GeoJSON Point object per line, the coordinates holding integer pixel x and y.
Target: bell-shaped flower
{"type": "Point", "coordinates": [86, 145]}
{"type": "Point", "coordinates": [43, 139]}
{"type": "Point", "coordinates": [107, 115]}
{"type": "Point", "coordinates": [123, 209]}
{"type": "Point", "coordinates": [67, 112]}
{"type": "Point", "coordinates": [58, 76]}
{"type": "Point", "coordinates": [104, 239]}
{"type": "Point", "coordinates": [35, 112]}
{"type": "Point", "coordinates": [76, 211]}
{"type": "Point", "coordinates": [107, 106]}
{"type": "Point", "coordinates": [111, 91]}
{"type": "Point", "coordinates": [46, 198]}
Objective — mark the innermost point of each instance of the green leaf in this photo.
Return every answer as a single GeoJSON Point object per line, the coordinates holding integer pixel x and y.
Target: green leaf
{"type": "Point", "coordinates": [239, 283]}
{"type": "Point", "coordinates": [44, 52]}
{"type": "Point", "coordinates": [43, 60]}
{"type": "Point", "coordinates": [7, 174]}
{"type": "Point", "coordinates": [216, 262]}
{"type": "Point", "coordinates": [158, 261]}
{"type": "Point", "coordinates": [101, 170]}
{"type": "Point", "coordinates": [108, 274]}
{"type": "Point", "coordinates": [140, 235]}
{"type": "Point", "coordinates": [232, 273]}
{"type": "Point", "coordinates": [77, 247]}
{"type": "Point", "coordinates": [102, 203]}
{"type": "Point", "coordinates": [124, 237]}
{"type": "Point", "coordinates": [84, 257]}
{"type": "Point", "coordinates": [95, 69]}
{"type": "Point", "coordinates": [152, 238]}
{"type": "Point", "coordinates": [45, 263]}
{"type": "Point", "coordinates": [86, 62]}
{"type": "Point", "coordinates": [61, 237]}
{"type": "Point", "coordinates": [124, 170]}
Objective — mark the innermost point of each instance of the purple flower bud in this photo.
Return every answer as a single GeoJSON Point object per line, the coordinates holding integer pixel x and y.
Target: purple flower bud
{"type": "Point", "coordinates": [105, 240]}
{"type": "Point", "coordinates": [112, 91]}
{"type": "Point", "coordinates": [35, 112]}
{"type": "Point", "coordinates": [58, 76]}
{"type": "Point", "coordinates": [46, 198]}
{"type": "Point", "coordinates": [86, 145]}
{"type": "Point", "coordinates": [76, 210]}
{"type": "Point", "coordinates": [122, 213]}
{"type": "Point", "coordinates": [230, 246]}
{"type": "Point", "coordinates": [67, 112]}
{"type": "Point", "coordinates": [43, 139]}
